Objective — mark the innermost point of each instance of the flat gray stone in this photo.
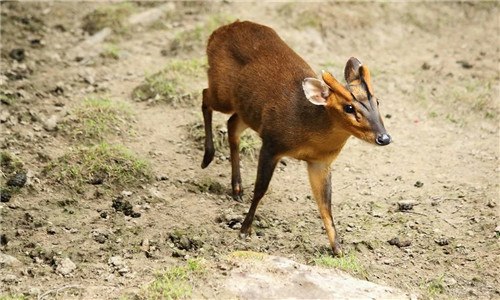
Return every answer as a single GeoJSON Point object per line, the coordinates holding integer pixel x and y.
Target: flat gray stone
{"type": "Point", "coordinates": [273, 277]}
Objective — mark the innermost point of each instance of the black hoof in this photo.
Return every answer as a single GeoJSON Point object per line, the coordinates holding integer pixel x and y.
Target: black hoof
{"type": "Point", "coordinates": [207, 158]}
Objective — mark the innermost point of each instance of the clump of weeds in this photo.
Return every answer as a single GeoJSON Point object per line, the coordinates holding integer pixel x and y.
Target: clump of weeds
{"type": "Point", "coordinates": [110, 165]}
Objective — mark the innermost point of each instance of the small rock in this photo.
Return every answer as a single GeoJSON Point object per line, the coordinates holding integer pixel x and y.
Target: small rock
{"type": "Point", "coordinates": [5, 196]}
{"type": "Point", "coordinates": [450, 281]}
{"type": "Point", "coordinates": [127, 193]}
{"type": "Point", "coordinates": [104, 215]}
{"type": "Point", "coordinates": [51, 123]}
{"type": "Point", "coordinates": [10, 278]}
{"type": "Point", "coordinates": [89, 79]}
{"type": "Point", "coordinates": [161, 177]}
{"type": "Point", "coordinates": [405, 205]}
{"type": "Point", "coordinates": [184, 243]}
{"type": "Point", "coordinates": [400, 244]}
{"type": "Point", "coordinates": [442, 241]}
{"type": "Point", "coordinates": [17, 54]}
{"type": "Point", "coordinates": [135, 214]}
{"type": "Point", "coordinates": [426, 66]}
{"type": "Point", "coordinates": [65, 267]}
{"type": "Point", "coordinates": [59, 89]}
{"type": "Point", "coordinates": [145, 245]}
{"type": "Point", "coordinates": [497, 229]}
{"type": "Point", "coordinates": [51, 230]}
{"type": "Point", "coordinates": [34, 291]}
{"type": "Point", "coordinates": [8, 261]}
{"type": "Point", "coordinates": [100, 238]}
{"type": "Point", "coordinates": [118, 265]}
{"type": "Point", "coordinates": [491, 204]}
{"type": "Point", "coordinates": [18, 180]}
{"type": "Point", "coordinates": [465, 64]}
{"type": "Point", "coordinates": [123, 271]}
{"type": "Point", "coordinates": [4, 116]}
{"type": "Point", "coordinates": [388, 116]}
{"type": "Point", "coordinates": [419, 184]}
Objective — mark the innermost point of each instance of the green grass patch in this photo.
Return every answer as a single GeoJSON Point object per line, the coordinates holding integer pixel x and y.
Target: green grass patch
{"type": "Point", "coordinates": [111, 51]}
{"type": "Point", "coordinates": [13, 297]}
{"type": "Point", "coordinates": [196, 38]}
{"type": "Point", "coordinates": [349, 263]}
{"type": "Point", "coordinates": [9, 163]}
{"type": "Point", "coordinates": [248, 255]}
{"type": "Point", "coordinates": [10, 166]}
{"type": "Point", "coordinates": [96, 118]}
{"type": "Point", "coordinates": [112, 16]}
{"type": "Point", "coordinates": [434, 287]}
{"type": "Point", "coordinates": [176, 282]}
{"type": "Point", "coordinates": [174, 84]}
{"type": "Point", "coordinates": [7, 97]}
{"type": "Point", "coordinates": [100, 164]}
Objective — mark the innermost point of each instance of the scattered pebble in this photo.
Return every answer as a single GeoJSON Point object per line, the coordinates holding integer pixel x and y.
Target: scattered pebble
{"type": "Point", "coordinates": [51, 123]}
{"type": "Point", "coordinates": [442, 241]}
{"type": "Point", "coordinates": [118, 265]}
{"type": "Point", "coordinates": [426, 66]}
{"type": "Point", "coordinates": [5, 196]}
{"type": "Point", "coordinates": [161, 177]}
{"type": "Point", "coordinates": [17, 54]}
{"type": "Point", "coordinates": [10, 278]}
{"type": "Point", "coordinates": [101, 238]}
{"type": "Point", "coordinates": [65, 267]}
{"type": "Point", "coordinates": [419, 184]}
{"type": "Point", "coordinates": [127, 193]}
{"type": "Point", "coordinates": [400, 244]}
{"type": "Point", "coordinates": [465, 64]}
{"type": "Point", "coordinates": [51, 230]}
{"type": "Point", "coordinates": [8, 261]}
{"type": "Point", "coordinates": [18, 180]}
{"type": "Point", "coordinates": [405, 205]}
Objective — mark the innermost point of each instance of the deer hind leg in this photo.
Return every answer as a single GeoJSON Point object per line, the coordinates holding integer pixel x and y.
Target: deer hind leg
{"type": "Point", "coordinates": [207, 120]}
{"type": "Point", "coordinates": [235, 126]}
{"type": "Point", "coordinates": [265, 169]}
{"type": "Point", "coordinates": [320, 179]}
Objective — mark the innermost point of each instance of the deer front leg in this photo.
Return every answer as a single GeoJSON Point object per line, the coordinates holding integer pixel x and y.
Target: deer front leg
{"type": "Point", "coordinates": [320, 179]}
{"type": "Point", "coordinates": [267, 163]}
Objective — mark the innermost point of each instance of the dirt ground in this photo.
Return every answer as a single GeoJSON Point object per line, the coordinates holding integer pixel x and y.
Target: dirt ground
{"type": "Point", "coordinates": [435, 67]}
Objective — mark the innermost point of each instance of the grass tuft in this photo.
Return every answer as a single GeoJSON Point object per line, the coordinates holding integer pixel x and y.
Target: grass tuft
{"type": "Point", "coordinates": [176, 282]}
{"type": "Point", "coordinates": [13, 297]}
{"type": "Point", "coordinates": [111, 51]}
{"type": "Point", "coordinates": [173, 85]}
{"type": "Point", "coordinates": [435, 286]}
{"type": "Point", "coordinates": [248, 255]}
{"type": "Point", "coordinates": [112, 16]}
{"type": "Point", "coordinates": [348, 263]}
{"type": "Point", "coordinates": [96, 118]}
{"type": "Point", "coordinates": [100, 164]}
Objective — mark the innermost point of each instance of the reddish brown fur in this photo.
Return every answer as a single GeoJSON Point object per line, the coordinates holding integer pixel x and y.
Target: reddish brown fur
{"type": "Point", "coordinates": [254, 76]}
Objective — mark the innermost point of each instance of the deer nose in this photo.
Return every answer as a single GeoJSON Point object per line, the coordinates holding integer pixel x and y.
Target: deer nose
{"type": "Point", "coordinates": [383, 139]}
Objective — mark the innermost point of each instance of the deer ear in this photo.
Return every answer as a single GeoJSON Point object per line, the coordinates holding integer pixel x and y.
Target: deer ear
{"type": "Point", "coordinates": [351, 71]}
{"type": "Point", "coordinates": [316, 91]}
{"type": "Point", "coordinates": [365, 75]}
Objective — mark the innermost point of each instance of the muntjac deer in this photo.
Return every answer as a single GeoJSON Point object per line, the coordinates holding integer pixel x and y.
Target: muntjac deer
{"type": "Point", "coordinates": [263, 84]}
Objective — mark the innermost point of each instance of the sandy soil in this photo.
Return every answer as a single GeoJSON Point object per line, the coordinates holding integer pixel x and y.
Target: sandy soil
{"type": "Point", "coordinates": [435, 67]}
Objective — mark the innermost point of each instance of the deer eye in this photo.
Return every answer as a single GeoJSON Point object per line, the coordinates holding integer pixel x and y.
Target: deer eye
{"type": "Point", "coordinates": [349, 109]}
